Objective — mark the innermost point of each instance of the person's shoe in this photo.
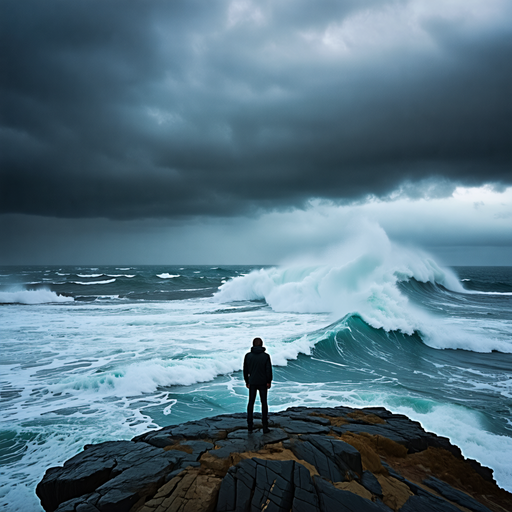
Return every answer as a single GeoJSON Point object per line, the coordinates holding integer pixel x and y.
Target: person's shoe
{"type": "Point", "coordinates": [266, 430]}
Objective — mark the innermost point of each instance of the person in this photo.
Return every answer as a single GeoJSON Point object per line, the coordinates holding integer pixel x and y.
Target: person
{"type": "Point", "coordinates": [258, 378]}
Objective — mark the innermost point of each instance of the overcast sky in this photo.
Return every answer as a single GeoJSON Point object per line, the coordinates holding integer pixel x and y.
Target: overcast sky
{"type": "Point", "coordinates": [157, 131]}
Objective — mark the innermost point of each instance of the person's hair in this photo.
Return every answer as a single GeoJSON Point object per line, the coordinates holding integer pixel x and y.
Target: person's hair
{"type": "Point", "coordinates": [257, 342]}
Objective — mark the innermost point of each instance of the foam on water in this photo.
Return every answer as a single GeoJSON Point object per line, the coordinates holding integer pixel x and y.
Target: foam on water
{"type": "Point", "coordinates": [41, 296]}
{"type": "Point", "coordinates": [105, 281]}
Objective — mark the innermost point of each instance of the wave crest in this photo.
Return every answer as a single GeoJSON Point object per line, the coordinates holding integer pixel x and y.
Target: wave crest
{"type": "Point", "coordinates": [41, 296]}
{"type": "Point", "coordinates": [360, 276]}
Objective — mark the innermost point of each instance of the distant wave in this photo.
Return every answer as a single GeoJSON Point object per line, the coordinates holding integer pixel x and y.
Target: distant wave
{"type": "Point", "coordinates": [32, 297]}
{"type": "Point", "coordinates": [120, 275]}
{"type": "Point", "coordinates": [90, 275]}
{"type": "Point", "coordinates": [167, 276]}
{"type": "Point", "coordinates": [107, 281]}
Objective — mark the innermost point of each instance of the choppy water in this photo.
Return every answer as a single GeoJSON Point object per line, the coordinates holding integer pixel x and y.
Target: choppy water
{"type": "Point", "coordinates": [91, 354]}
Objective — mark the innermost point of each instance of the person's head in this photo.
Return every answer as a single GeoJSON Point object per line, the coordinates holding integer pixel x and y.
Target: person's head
{"type": "Point", "coordinates": [257, 342]}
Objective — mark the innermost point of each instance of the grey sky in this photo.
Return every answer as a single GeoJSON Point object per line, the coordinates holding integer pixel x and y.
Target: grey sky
{"type": "Point", "coordinates": [154, 127]}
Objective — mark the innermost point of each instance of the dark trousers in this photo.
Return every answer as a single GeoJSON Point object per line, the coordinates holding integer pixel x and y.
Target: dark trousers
{"type": "Point", "coordinates": [264, 406]}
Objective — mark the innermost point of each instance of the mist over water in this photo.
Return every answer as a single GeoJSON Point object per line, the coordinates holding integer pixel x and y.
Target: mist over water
{"type": "Point", "coordinates": [91, 354]}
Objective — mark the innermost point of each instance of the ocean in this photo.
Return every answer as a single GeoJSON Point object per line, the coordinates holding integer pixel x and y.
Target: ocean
{"type": "Point", "coordinates": [98, 353]}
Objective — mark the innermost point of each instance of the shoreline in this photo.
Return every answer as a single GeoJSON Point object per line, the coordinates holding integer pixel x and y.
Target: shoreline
{"type": "Point", "coordinates": [317, 459]}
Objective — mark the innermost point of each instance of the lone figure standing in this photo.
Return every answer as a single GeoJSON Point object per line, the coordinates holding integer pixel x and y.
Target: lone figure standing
{"type": "Point", "coordinates": [258, 377]}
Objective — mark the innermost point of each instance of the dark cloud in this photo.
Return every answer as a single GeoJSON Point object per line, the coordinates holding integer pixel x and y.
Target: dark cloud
{"type": "Point", "coordinates": [144, 109]}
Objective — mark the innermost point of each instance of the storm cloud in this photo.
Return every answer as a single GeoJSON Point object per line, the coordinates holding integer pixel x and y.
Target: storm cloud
{"type": "Point", "coordinates": [138, 109]}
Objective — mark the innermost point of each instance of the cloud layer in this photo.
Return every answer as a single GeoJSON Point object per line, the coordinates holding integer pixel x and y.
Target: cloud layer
{"type": "Point", "coordinates": [473, 227]}
{"type": "Point", "coordinates": [140, 109]}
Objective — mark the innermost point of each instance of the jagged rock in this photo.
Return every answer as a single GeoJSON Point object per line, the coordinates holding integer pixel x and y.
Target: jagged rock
{"type": "Point", "coordinates": [243, 441]}
{"type": "Point", "coordinates": [332, 499]}
{"type": "Point", "coordinates": [324, 464]}
{"type": "Point", "coordinates": [459, 497]}
{"type": "Point", "coordinates": [346, 457]}
{"type": "Point", "coordinates": [394, 492]}
{"type": "Point", "coordinates": [292, 426]}
{"type": "Point", "coordinates": [428, 503]}
{"type": "Point", "coordinates": [305, 498]}
{"type": "Point", "coordinates": [191, 490]}
{"type": "Point", "coordinates": [112, 473]}
{"type": "Point", "coordinates": [258, 484]}
{"type": "Point", "coordinates": [370, 482]}
{"type": "Point", "coordinates": [301, 465]}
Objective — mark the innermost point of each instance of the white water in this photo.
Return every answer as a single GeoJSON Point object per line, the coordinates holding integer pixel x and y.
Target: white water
{"type": "Point", "coordinates": [32, 297]}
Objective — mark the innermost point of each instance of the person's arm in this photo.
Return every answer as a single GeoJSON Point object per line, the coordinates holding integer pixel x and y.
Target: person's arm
{"type": "Point", "coordinates": [246, 371]}
{"type": "Point", "coordinates": [268, 370]}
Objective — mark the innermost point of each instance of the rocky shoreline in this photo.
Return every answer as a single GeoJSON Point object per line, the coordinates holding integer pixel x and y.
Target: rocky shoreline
{"type": "Point", "coordinates": [314, 459]}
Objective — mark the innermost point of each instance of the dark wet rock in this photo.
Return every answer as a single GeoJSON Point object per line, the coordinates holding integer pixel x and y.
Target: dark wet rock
{"type": "Point", "coordinates": [370, 482]}
{"type": "Point", "coordinates": [77, 504]}
{"type": "Point", "coordinates": [343, 454]}
{"type": "Point", "coordinates": [332, 499]}
{"type": "Point", "coordinates": [428, 503]}
{"type": "Point", "coordinates": [292, 426]}
{"type": "Point", "coordinates": [258, 438]}
{"type": "Point", "coordinates": [459, 497]}
{"type": "Point", "coordinates": [392, 472]}
{"type": "Point", "coordinates": [209, 428]}
{"type": "Point", "coordinates": [305, 498]}
{"type": "Point", "coordinates": [118, 471]}
{"type": "Point", "coordinates": [243, 441]}
{"type": "Point", "coordinates": [300, 415]}
{"type": "Point", "coordinates": [324, 464]}
{"type": "Point", "coordinates": [258, 484]}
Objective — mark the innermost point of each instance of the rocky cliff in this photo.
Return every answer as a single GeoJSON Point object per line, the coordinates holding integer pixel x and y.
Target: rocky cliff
{"type": "Point", "coordinates": [314, 459]}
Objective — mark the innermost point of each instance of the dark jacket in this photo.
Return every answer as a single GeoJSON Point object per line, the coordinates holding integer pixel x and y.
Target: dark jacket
{"type": "Point", "coordinates": [257, 367]}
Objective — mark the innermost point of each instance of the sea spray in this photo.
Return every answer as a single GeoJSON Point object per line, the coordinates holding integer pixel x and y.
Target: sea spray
{"type": "Point", "coordinates": [41, 296]}
{"type": "Point", "coordinates": [359, 276]}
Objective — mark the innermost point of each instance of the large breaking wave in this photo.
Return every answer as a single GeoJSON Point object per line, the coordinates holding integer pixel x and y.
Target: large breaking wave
{"type": "Point", "coordinates": [366, 277]}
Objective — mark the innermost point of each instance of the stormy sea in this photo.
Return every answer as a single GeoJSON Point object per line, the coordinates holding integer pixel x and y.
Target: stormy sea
{"type": "Point", "coordinates": [97, 353]}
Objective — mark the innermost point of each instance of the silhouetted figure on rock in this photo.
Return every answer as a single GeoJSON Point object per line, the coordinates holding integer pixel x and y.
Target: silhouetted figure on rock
{"type": "Point", "coordinates": [258, 377]}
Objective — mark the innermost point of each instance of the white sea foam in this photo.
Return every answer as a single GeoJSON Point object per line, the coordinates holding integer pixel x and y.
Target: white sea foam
{"type": "Point", "coordinates": [359, 276]}
{"type": "Point", "coordinates": [89, 275]}
{"type": "Point", "coordinates": [120, 275]}
{"type": "Point", "coordinates": [106, 281]}
{"type": "Point", "coordinates": [166, 275]}
{"type": "Point", "coordinates": [32, 297]}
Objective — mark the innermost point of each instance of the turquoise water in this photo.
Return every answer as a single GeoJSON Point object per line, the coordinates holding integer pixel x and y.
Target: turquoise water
{"type": "Point", "coordinates": [99, 353]}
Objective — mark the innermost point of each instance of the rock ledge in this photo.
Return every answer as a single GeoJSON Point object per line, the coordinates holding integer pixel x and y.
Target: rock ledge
{"type": "Point", "coordinates": [314, 459]}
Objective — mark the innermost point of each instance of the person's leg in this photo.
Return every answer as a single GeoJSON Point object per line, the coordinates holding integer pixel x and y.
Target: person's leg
{"type": "Point", "coordinates": [250, 406]}
{"type": "Point", "coordinates": [264, 406]}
